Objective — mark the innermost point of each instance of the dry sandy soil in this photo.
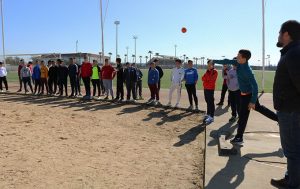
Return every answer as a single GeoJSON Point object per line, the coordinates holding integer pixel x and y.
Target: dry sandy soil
{"type": "Point", "coordinates": [50, 142]}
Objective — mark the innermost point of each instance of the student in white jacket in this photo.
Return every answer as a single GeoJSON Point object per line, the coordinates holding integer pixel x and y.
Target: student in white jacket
{"type": "Point", "coordinates": [177, 76]}
{"type": "Point", "coordinates": [3, 74]}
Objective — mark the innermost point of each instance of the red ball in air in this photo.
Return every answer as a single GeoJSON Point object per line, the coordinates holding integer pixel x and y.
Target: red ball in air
{"type": "Point", "coordinates": [183, 30]}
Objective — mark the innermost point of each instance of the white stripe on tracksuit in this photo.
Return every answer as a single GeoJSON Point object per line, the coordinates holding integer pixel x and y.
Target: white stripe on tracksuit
{"type": "Point", "coordinates": [176, 79]}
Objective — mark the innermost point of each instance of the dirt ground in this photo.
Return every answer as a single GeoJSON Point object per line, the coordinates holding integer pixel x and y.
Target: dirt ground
{"type": "Point", "coordinates": [50, 142]}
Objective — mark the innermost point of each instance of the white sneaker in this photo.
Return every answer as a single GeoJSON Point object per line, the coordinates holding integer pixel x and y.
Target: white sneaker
{"type": "Point", "coordinates": [169, 104]}
{"type": "Point", "coordinates": [1, 91]}
{"type": "Point", "coordinates": [176, 105]}
{"type": "Point", "coordinates": [197, 109]}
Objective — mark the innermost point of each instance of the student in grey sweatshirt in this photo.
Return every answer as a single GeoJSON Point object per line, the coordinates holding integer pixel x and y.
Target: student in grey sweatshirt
{"type": "Point", "coordinates": [25, 75]}
{"type": "Point", "coordinates": [234, 92]}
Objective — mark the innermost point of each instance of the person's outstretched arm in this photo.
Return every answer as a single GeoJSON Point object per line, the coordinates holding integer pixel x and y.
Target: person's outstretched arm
{"type": "Point", "coordinates": [225, 61]}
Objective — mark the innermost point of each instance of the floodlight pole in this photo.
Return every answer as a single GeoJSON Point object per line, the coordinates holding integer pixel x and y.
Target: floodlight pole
{"type": "Point", "coordinates": [3, 42]}
{"type": "Point", "coordinates": [263, 46]}
{"type": "Point", "coordinates": [117, 23]}
{"type": "Point", "coordinates": [102, 32]}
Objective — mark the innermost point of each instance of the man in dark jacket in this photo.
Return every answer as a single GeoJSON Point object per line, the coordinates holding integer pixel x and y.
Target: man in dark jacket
{"type": "Point", "coordinates": [130, 78]}
{"type": "Point", "coordinates": [120, 80]}
{"type": "Point", "coordinates": [161, 74]}
{"type": "Point", "coordinates": [73, 71]}
{"type": "Point", "coordinates": [52, 81]}
{"type": "Point", "coordinates": [62, 77]}
{"type": "Point", "coordinates": [139, 83]}
{"type": "Point", "coordinates": [286, 98]}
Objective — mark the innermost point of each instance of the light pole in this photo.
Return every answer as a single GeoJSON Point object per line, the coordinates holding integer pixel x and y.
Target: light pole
{"type": "Point", "coordinates": [268, 57]}
{"type": "Point", "coordinates": [175, 50]}
{"type": "Point", "coordinates": [117, 23]}
{"type": "Point", "coordinates": [156, 54]}
{"type": "Point", "coordinates": [125, 58]}
{"type": "Point", "coordinates": [102, 31]}
{"type": "Point", "coordinates": [77, 46]}
{"type": "Point", "coordinates": [127, 53]}
{"type": "Point", "coordinates": [141, 60]}
{"type": "Point", "coordinates": [135, 38]}
{"type": "Point", "coordinates": [263, 46]}
{"type": "Point", "coordinates": [133, 58]}
{"type": "Point", "coordinates": [184, 58]}
{"type": "Point", "coordinates": [110, 55]}
{"type": "Point", "coordinates": [3, 42]}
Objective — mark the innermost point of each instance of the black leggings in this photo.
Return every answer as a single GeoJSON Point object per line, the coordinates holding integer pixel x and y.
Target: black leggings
{"type": "Point", "coordinates": [96, 85]}
{"type": "Point", "coordinates": [25, 81]}
{"type": "Point", "coordinates": [210, 101]}
{"type": "Point", "coordinates": [191, 90]}
{"type": "Point", "coordinates": [3, 79]}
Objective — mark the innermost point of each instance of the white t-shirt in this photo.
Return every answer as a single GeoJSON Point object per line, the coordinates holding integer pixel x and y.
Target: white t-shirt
{"type": "Point", "coordinates": [177, 75]}
{"type": "Point", "coordinates": [3, 72]}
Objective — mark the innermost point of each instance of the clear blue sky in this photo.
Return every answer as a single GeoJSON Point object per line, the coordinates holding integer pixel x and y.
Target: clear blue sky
{"type": "Point", "coordinates": [216, 28]}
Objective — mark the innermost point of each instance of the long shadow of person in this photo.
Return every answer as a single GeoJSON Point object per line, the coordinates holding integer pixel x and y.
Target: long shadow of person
{"type": "Point", "coordinates": [190, 135]}
{"type": "Point", "coordinates": [220, 111]}
{"type": "Point", "coordinates": [173, 118]}
{"type": "Point", "coordinates": [227, 129]}
{"type": "Point", "coordinates": [232, 175]}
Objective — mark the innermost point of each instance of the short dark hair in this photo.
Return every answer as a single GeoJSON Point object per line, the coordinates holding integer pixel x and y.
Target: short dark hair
{"type": "Point", "coordinates": [178, 60]}
{"type": "Point", "coordinates": [1, 62]}
{"type": "Point", "coordinates": [210, 61]}
{"type": "Point", "coordinates": [293, 29]}
{"type": "Point", "coordinates": [118, 60]}
{"type": "Point", "coordinates": [245, 53]}
{"type": "Point", "coordinates": [155, 60]}
{"type": "Point", "coordinates": [190, 61]}
{"type": "Point", "coordinates": [127, 63]}
{"type": "Point", "coordinates": [59, 60]}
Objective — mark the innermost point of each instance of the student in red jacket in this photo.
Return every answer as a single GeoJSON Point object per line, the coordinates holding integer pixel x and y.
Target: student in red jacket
{"type": "Point", "coordinates": [209, 83]}
{"type": "Point", "coordinates": [86, 73]}
{"type": "Point", "coordinates": [108, 74]}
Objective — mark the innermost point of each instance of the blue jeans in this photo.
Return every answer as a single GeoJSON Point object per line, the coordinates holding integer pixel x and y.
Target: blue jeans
{"type": "Point", "coordinates": [289, 125]}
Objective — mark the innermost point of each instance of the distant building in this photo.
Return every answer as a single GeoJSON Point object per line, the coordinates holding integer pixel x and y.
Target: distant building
{"type": "Point", "coordinates": [79, 57]}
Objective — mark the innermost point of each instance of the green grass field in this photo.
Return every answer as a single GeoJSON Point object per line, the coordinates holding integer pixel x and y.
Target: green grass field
{"type": "Point", "coordinates": [269, 78]}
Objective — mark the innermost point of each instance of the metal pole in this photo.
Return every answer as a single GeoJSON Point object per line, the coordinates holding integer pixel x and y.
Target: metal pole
{"type": "Point", "coordinates": [117, 23]}
{"type": "Point", "coordinates": [135, 38]}
{"type": "Point", "coordinates": [3, 42]}
{"type": "Point", "coordinates": [102, 32]}
{"type": "Point", "coordinates": [263, 46]}
{"type": "Point", "coordinates": [175, 50]}
{"type": "Point", "coordinates": [76, 46]}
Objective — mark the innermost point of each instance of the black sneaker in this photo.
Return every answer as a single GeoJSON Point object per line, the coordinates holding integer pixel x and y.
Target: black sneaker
{"type": "Point", "coordinates": [279, 182]}
{"type": "Point", "coordinates": [220, 104]}
{"type": "Point", "coordinates": [232, 119]}
{"type": "Point", "coordinates": [237, 140]}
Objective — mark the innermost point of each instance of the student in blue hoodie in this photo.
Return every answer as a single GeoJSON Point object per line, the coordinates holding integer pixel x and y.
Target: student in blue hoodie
{"type": "Point", "coordinates": [153, 79]}
{"type": "Point", "coordinates": [191, 79]}
{"type": "Point", "coordinates": [36, 76]}
{"type": "Point", "coordinates": [249, 93]}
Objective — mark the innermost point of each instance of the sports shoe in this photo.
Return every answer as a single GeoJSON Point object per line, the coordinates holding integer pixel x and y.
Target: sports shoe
{"type": "Point", "coordinates": [196, 108]}
{"type": "Point", "coordinates": [157, 103]}
{"type": "Point", "coordinates": [209, 120]}
{"type": "Point", "coordinates": [19, 90]}
{"type": "Point", "coordinates": [106, 98]}
{"type": "Point", "coordinates": [232, 119]}
{"type": "Point", "coordinates": [237, 140]}
{"type": "Point", "coordinates": [176, 105]}
{"type": "Point", "coordinates": [1, 91]}
{"type": "Point", "coordinates": [169, 104]}
{"type": "Point", "coordinates": [150, 101]}
{"type": "Point", "coordinates": [141, 98]}
{"type": "Point", "coordinates": [220, 104]}
{"type": "Point", "coordinates": [191, 107]}
{"type": "Point", "coordinates": [280, 183]}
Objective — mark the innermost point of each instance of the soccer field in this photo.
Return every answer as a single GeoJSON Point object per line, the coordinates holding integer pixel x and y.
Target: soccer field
{"type": "Point", "coordinates": [166, 82]}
